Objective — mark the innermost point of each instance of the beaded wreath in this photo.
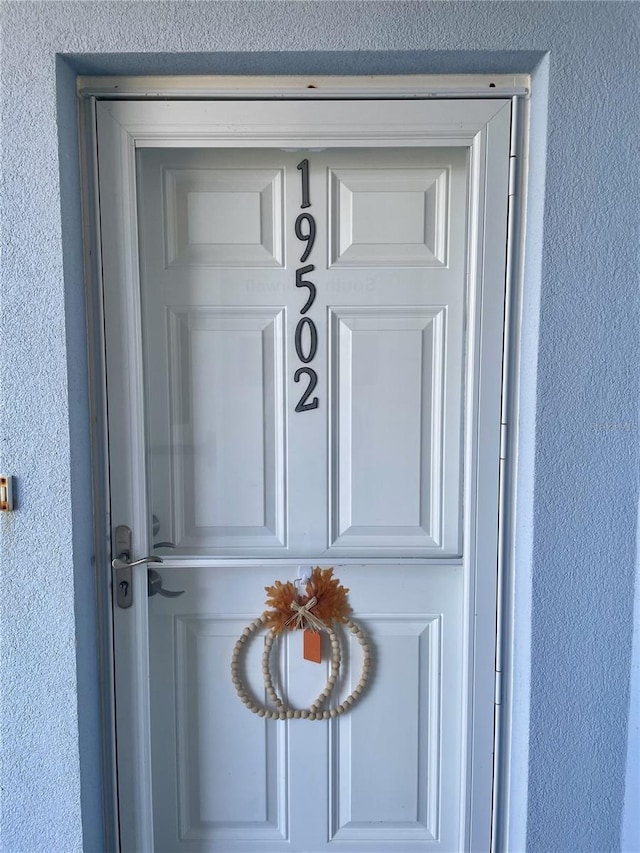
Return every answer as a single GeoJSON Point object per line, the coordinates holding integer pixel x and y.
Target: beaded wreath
{"type": "Point", "coordinates": [323, 602]}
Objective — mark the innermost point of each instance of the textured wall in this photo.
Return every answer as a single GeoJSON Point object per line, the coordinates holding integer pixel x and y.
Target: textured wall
{"type": "Point", "coordinates": [579, 468]}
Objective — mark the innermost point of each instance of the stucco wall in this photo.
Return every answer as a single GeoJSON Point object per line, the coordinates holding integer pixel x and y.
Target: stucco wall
{"type": "Point", "coordinates": [579, 465]}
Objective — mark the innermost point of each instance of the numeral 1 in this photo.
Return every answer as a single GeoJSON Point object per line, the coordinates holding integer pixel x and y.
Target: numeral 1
{"type": "Point", "coordinates": [303, 167]}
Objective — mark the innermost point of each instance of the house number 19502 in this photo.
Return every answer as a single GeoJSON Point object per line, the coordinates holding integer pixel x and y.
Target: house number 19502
{"type": "Point", "coordinates": [305, 230]}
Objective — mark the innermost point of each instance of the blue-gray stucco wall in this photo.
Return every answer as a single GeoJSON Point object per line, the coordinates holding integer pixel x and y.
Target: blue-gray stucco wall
{"type": "Point", "coordinates": [577, 542]}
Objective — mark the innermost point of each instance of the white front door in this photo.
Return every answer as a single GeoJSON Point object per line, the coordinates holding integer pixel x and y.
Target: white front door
{"type": "Point", "coordinates": [304, 369]}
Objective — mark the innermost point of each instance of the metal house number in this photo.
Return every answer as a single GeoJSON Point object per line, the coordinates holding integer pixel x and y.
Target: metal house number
{"type": "Point", "coordinates": [306, 336]}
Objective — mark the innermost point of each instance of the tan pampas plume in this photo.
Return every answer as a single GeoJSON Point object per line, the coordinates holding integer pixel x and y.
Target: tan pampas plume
{"type": "Point", "coordinates": [280, 597]}
{"type": "Point", "coordinates": [330, 605]}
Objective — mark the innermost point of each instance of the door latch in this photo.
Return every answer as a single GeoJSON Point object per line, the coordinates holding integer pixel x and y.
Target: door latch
{"type": "Point", "coordinates": [123, 579]}
{"type": "Point", "coordinates": [122, 565]}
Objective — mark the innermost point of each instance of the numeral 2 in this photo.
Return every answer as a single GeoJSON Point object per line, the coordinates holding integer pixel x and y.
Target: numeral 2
{"type": "Point", "coordinates": [303, 406]}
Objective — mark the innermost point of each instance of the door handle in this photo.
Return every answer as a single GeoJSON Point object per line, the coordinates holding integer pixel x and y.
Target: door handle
{"type": "Point", "coordinates": [125, 564]}
{"type": "Point", "coordinates": [154, 586]}
{"type": "Point", "coordinates": [124, 582]}
{"type": "Point", "coordinates": [122, 564]}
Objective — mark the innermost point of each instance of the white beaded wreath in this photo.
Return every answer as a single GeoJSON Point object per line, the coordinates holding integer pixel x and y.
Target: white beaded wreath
{"type": "Point", "coordinates": [315, 710]}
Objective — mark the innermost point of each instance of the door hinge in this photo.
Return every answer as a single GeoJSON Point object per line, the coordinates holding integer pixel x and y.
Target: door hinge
{"type": "Point", "coordinates": [497, 698]}
{"type": "Point", "coordinates": [513, 147]}
{"type": "Point", "coordinates": [503, 440]}
{"type": "Point", "coordinates": [513, 175]}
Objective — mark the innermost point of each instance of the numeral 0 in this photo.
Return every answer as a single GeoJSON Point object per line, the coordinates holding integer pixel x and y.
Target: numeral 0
{"type": "Point", "coordinates": [313, 340]}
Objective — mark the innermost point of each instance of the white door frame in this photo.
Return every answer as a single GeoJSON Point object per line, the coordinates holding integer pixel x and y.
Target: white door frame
{"type": "Point", "coordinates": [140, 125]}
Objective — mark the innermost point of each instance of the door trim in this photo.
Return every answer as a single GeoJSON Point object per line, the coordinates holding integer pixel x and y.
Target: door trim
{"type": "Point", "coordinates": [425, 86]}
{"type": "Point", "coordinates": [135, 131]}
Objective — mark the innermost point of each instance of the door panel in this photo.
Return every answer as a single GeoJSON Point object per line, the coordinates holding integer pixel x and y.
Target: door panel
{"type": "Point", "coordinates": [373, 470]}
{"type": "Point", "coordinates": [391, 478]}
{"type": "Point", "coordinates": [388, 217]}
{"type": "Point", "coordinates": [225, 428]}
{"type": "Point", "coordinates": [223, 218]}
{"type": "Point", "coordinates": [389, 359]}
{"type": "Point", "coordinates": [396, 355]}
{"type": "Point", "coordinates": [386, 774]}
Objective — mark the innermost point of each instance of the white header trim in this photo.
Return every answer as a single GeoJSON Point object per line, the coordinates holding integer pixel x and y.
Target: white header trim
{"type": "Point", "coordinates": [309, 87]}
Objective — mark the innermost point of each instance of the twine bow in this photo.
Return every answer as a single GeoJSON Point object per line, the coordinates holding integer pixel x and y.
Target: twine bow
{"type": "Point", "coordinates": [303, 618]}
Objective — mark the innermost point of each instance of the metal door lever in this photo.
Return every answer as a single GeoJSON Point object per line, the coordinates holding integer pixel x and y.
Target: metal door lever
{"type": "Point", "coordinates": [154, 586]}
{"type": "Point", "coordinates": [125, 564]}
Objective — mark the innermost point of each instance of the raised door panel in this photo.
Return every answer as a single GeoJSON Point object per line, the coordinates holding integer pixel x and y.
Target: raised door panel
{"type": "Point", "coordinates": [220, 773]}
{"type": "Point", "coordinates": [388, 217]}
{"type": "Point", "coordinates": [226, 410]}
{"type": "Point", "coordinates": [223, 217]}
{"type": "Point", "coordinates": [369, 808]}
{"type": "Point", "coordinates": [231, 780]}
{"type": "Point", "coordinates": [393, 444]}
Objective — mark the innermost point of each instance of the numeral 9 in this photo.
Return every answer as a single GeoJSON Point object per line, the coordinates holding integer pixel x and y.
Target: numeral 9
{"type": "Point", "coordinates": [309, 237]}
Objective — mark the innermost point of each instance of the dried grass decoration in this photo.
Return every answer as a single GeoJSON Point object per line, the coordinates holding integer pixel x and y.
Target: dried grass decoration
{"type": "Point", "coordinates": [323, 602]}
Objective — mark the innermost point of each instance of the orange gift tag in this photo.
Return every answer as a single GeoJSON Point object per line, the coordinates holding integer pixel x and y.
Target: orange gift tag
{"type": "Point", "coordinates": [312, 646]}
